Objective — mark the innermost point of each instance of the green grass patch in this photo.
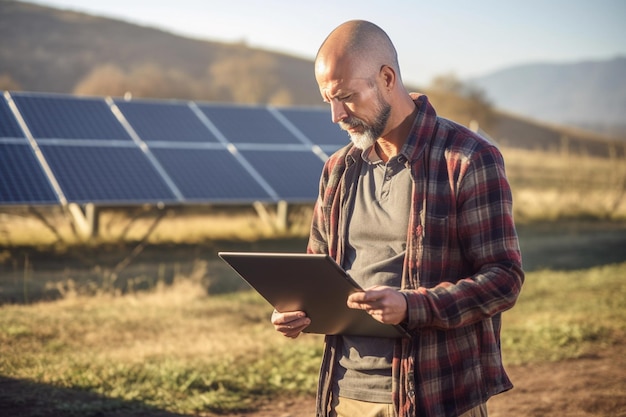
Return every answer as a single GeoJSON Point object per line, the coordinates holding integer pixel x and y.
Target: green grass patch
{"type": "Point", "coordinates": [183, 351]}
{"type": "Point", "coordinates": [564, 315]}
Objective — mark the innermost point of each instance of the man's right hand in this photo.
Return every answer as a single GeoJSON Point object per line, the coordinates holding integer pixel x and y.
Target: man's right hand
{"type": "Point", "coordinates": [291, 323]}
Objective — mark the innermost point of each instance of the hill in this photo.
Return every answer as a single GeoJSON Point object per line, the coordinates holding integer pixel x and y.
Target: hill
{"type": "Point", "coordinates": [514, 131]}
{"type": "Point", "coordinates": [51, 50]}
{"type": "Point", "coordinates": [590, 94]}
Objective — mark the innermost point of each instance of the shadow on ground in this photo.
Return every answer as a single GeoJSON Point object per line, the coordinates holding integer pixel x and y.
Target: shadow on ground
{"type": "Point", "coordinates": [29, 275]}
{"type": "Point", "coordinates": [572, 246]}
{"type": "Point", "coordinates": [30, 399]}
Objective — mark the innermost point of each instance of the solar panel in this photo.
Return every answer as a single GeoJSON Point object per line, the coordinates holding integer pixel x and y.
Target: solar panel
{"type": "Point", "coordinates": [194, 152]}
{"type": "Point", "coordinates": [167, 121]}
{"type": "Point", "coordinates": [248, 124]}
{"type": "Point", "coordinates": [22, 180]}
{"type": "Point", "coordinates": [294, 175]}
{"type": "Point", "coordinates": [210, 175]}
{"type": "Point", "coordinates": [106, 174]}
{"type": "Point", "coordinates": [9, 127]}
{"type": "Point", "coordinates": [63, 117]}
{"type": "Point", "coordinates": [317, 125]}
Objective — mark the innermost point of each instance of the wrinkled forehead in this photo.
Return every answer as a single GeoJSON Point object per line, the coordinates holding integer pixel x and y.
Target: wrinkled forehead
{"type": "Point", "coordinates": [341, 88]}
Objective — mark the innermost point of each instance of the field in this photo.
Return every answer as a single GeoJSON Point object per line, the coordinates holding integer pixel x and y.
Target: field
{"type": "Point", "coordinates": [143, 320]}
{"type": "Point", "coordinates": [178, 350]}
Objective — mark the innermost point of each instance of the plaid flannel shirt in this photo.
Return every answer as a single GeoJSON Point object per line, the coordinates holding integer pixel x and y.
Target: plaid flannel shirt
{"type": "Point", "coordinates": [461, 270]}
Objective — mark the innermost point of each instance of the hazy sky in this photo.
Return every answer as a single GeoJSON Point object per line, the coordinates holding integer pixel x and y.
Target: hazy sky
{"type": "Point", "coordinates": [466, 38]}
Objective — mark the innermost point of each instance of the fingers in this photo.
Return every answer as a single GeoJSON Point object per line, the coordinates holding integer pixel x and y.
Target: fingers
{"type": "Point", "coordinates": [290, 324]}
{"type": "Point", "coordinates": [371, 299]}
{"type": "Point", "coordinates": [385, 304]}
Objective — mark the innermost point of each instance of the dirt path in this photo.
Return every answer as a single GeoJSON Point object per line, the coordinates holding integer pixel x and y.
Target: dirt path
{"type": "Point", "coordinates": [594, 386]}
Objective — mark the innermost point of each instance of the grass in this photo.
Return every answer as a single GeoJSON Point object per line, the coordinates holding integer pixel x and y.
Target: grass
{"type": "Point", "coordinates": [563, 315]}
{"type": "Point", "coordinates": [175, 349]}
{"type": "Point", "coordinates": [178, 349]}
{"type": "Point", "coordinates": [560, 185]}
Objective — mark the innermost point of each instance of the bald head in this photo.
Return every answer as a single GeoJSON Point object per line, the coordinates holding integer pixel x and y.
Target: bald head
{"type": "Point", "coordinates": [356, 70]}
{"type": "Point", "coordinates": [362, 45]}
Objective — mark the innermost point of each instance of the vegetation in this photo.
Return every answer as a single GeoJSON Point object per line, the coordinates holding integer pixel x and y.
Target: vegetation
{"type": "Point", "coordinates": [181, 350]}
{"type": "Point", "coordinates": [557, 185]}
{"type": "Point", "coordinates": [566, 314]}
{"type": "Point", "coordinates": [176, 349]}
{"type": "Point", "coordinates": [463, 104]}
{"type": "Point", "coordinates": [99, 56]}
{"type": "Point", "coordinates": [245, 77]}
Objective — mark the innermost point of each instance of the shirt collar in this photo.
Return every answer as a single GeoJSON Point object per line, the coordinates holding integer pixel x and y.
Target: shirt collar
{"type": "Point", "coordinates": [370, 156]}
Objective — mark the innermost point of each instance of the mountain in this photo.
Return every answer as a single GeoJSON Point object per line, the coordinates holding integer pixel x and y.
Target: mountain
{"type": "Point", "coordinates": [45, 49]}
{"type": "Point", "coordinates": [51, 50]}
{"type": "Point", "coordinates": [590, 94]}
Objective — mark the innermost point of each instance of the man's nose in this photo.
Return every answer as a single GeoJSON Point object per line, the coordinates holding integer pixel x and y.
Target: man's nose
{"type": "Point", "coordinates": [338, 111]}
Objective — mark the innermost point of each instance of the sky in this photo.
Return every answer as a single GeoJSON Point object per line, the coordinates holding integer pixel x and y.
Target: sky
{"type": "Point", "coordinates": [437, 37]}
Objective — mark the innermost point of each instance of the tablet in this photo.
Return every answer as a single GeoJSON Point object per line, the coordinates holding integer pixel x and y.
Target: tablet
{"type": "Point", "coordinates": [312, 283]}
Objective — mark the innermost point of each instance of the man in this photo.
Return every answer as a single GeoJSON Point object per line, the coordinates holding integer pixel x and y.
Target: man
{"type": "Point", "coordinates": [418, 210]}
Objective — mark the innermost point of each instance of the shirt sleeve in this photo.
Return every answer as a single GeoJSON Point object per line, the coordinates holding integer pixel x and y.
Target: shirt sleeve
{"type": "Point", "coordinates": [488, 252]}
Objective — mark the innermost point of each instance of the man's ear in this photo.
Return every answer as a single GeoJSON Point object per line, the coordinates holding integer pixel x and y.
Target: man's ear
{"type": "Point", "coordinates": [388, 77]}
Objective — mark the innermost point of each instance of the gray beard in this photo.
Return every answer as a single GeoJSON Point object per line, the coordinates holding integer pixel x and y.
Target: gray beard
{"type": "Point", "coordinates": [363, 140]}
{"type": "Point", "coordinates": [370, 133]}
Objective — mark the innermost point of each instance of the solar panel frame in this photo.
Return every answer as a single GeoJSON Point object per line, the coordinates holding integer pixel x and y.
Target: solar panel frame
{"type": "Point", "coordinates": [210, 175]}
{"type": "Point", "coordinates": [156, 121]}
{"type": "Point", "coordinates": [113, 175]}
{"type": "Point", "coordinates": [9, 127]}
{"type": "Point", "coordinates": [248, 124]}
{"type": "Point", "coordinates": [316, 124]}
{"type": "Point", "coordinates": [56, 116]}
{"type": "Point", "coordinates": [293, 174]}
{"type": "Point", "coordinates": [120, 152]}
{"type": "Point", "coordinates": [22, 179]}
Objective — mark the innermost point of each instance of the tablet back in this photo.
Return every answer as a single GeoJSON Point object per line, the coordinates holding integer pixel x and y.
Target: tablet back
{"type": "Point", "coordinates": [314, 284]}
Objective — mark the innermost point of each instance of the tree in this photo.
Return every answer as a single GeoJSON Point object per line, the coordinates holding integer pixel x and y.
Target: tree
{"type": "Point", "coordinates": [248, 77]}
{"type": "Point", "coordinates": [145, 80]}
{"type": "Point", "coordinates": [459, 102]}
{"type": "Point", "coordinates": [8, 83]}
{"type": "Point", "coordinates": [107, 79]}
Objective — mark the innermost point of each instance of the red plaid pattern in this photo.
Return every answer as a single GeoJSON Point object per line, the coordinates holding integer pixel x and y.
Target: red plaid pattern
{"type": "Point", "coordinates": [462, 268]}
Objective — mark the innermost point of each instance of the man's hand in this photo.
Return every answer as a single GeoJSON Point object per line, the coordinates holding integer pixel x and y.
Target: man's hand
{"type": "Point", "coordinates": [385, 304]}
{"type": "Point", "coordinates": [290, 324]}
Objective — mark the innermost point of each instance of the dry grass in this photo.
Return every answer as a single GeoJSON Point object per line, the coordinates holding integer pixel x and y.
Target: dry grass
{"type": "Point", "coordinates": [52, 226]}
{"type": "Point", "coordinates": [558, 185]}
{"type": "Point", "coordinates": [174, 347]}
{"type": "Point", "coordinates": [180, 322]}
{"type": "Point", "coordinates": [181, 350]}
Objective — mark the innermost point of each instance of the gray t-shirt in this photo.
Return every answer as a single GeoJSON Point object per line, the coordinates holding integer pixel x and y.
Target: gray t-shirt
{"type": "Point", "coordinates": [374, 255]}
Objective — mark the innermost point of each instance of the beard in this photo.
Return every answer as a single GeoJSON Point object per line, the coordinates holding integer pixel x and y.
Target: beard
{"type": "Point", "coordinates": [371, 132]}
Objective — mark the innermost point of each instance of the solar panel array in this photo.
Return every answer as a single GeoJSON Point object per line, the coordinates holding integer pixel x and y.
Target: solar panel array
{"type": "Point", "coordinates": [57, 149]}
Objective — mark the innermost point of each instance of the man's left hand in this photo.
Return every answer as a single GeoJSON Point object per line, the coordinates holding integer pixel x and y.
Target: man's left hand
{"type": "Point", "coordinates": [385, 304]}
